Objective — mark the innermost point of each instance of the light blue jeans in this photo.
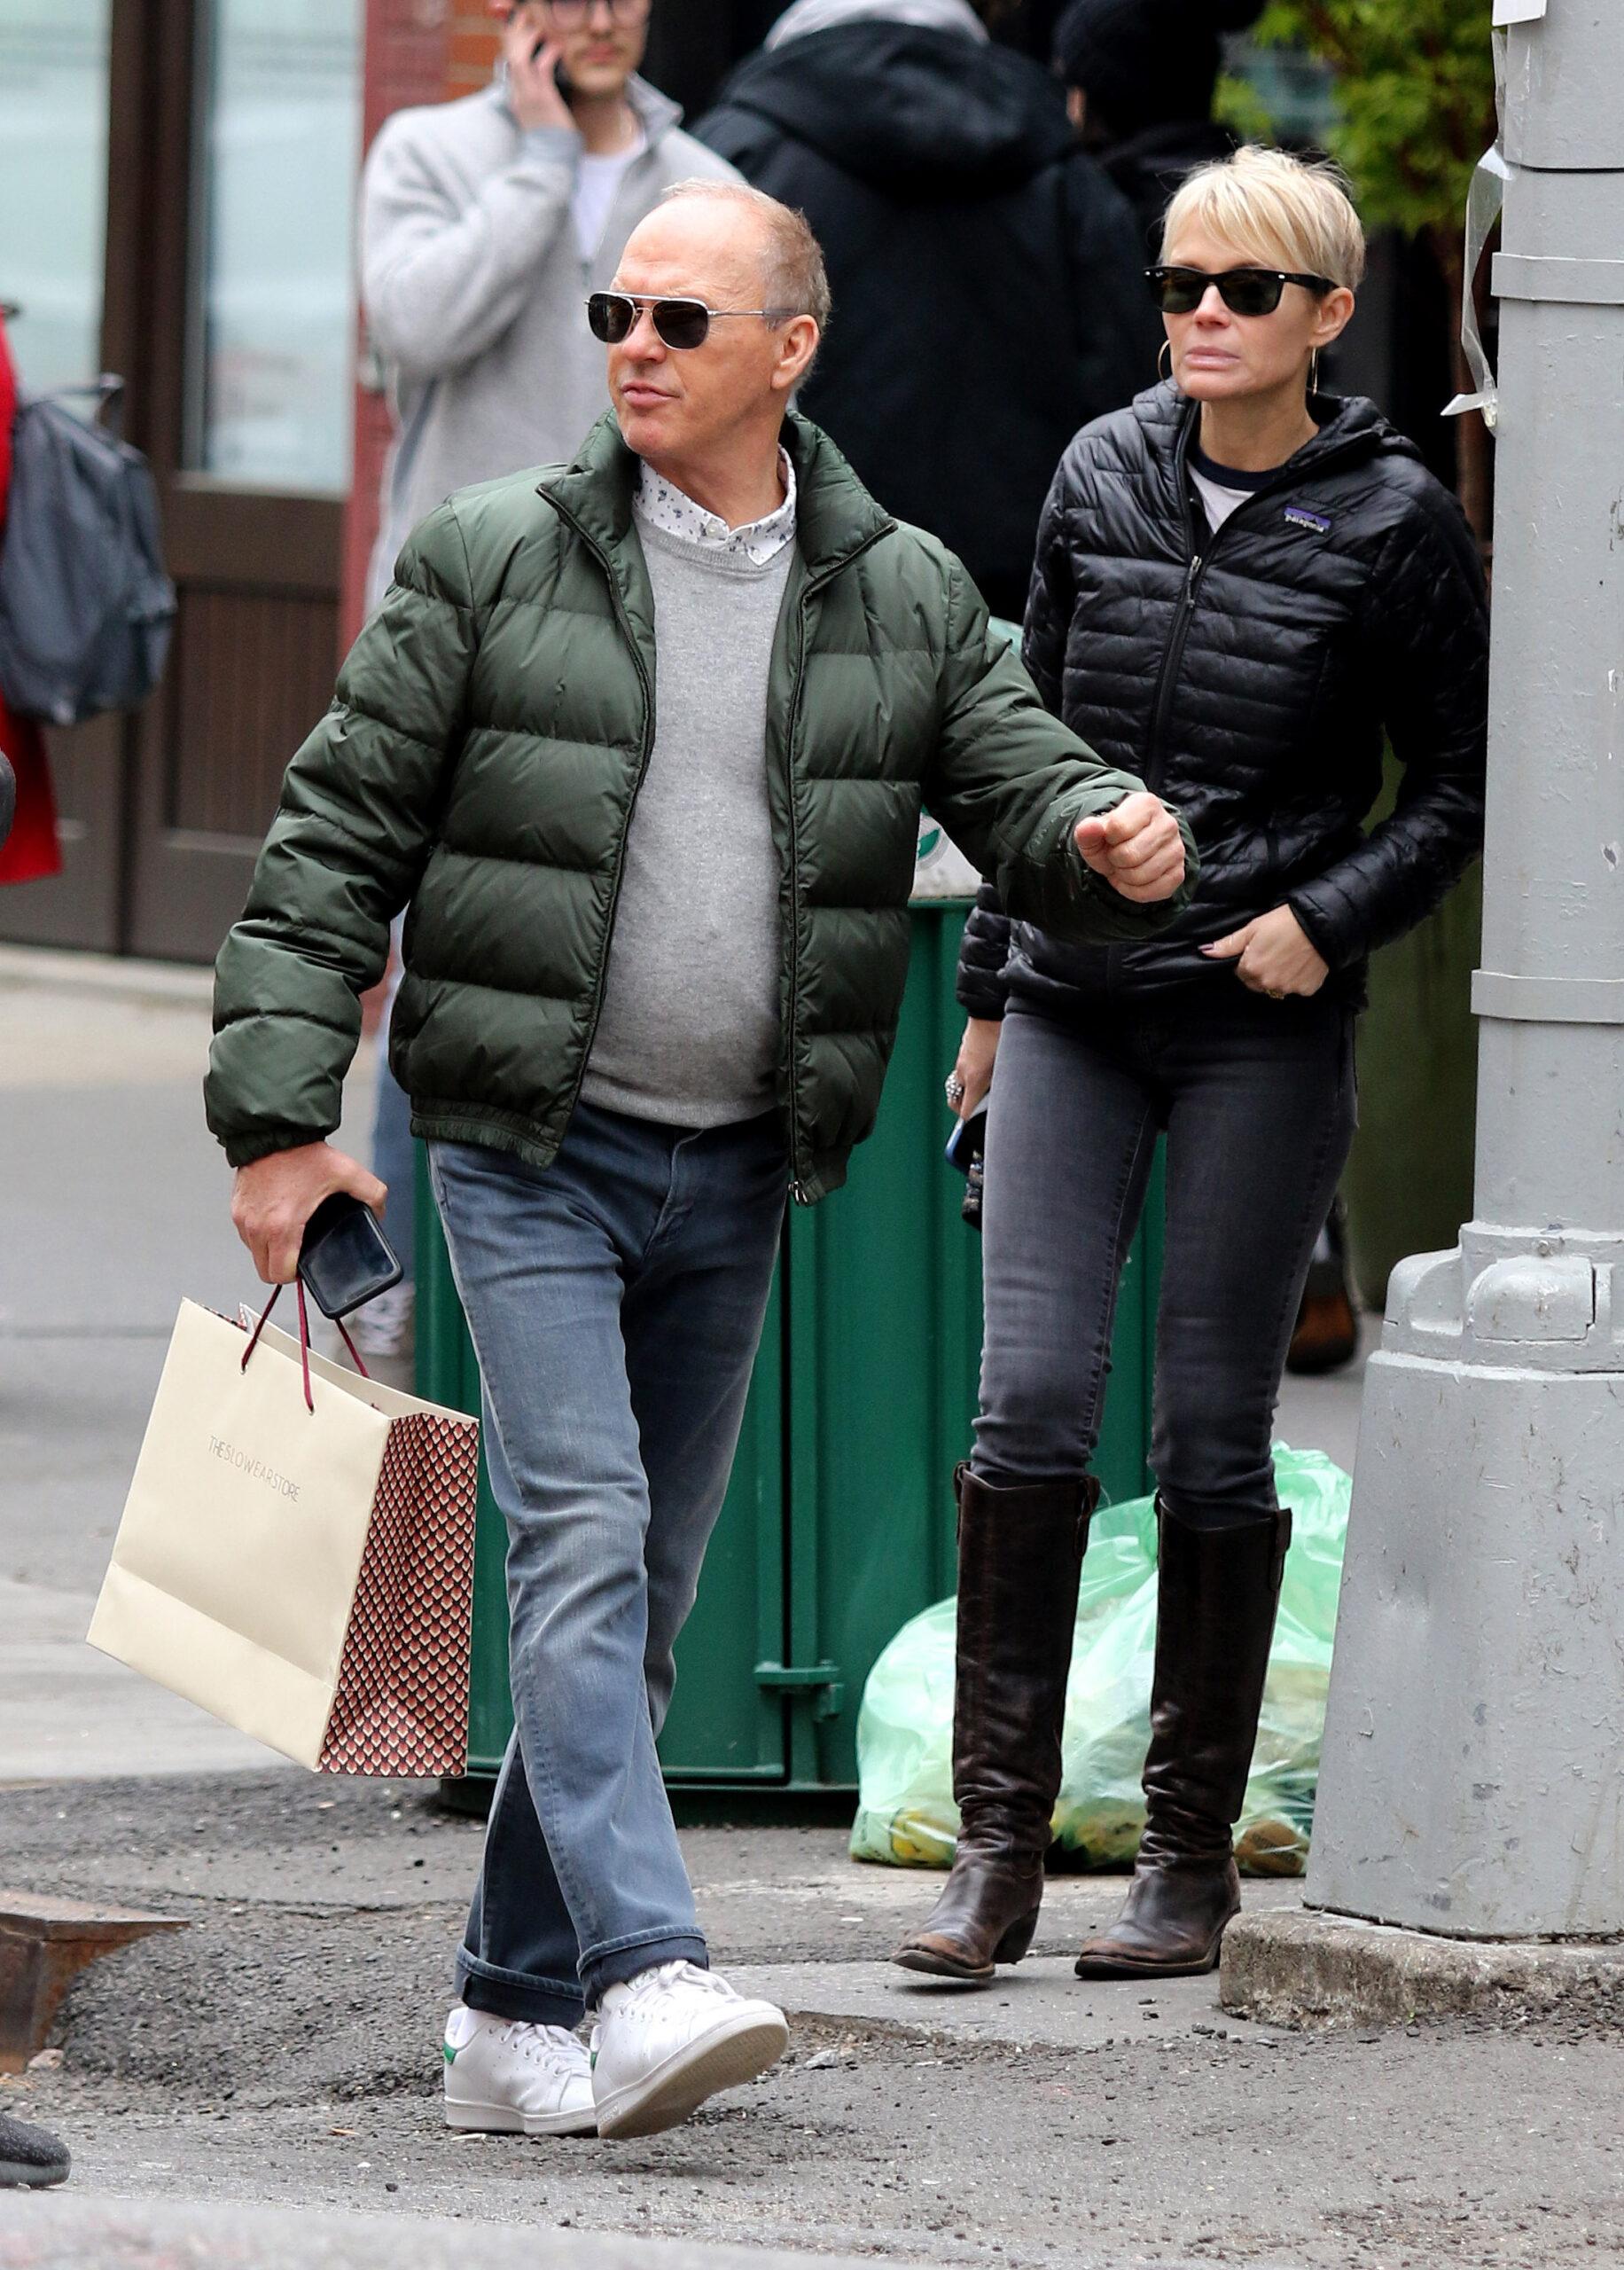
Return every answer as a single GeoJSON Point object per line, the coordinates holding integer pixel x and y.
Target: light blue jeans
{"type": "Point", "coordinates": [616, 1299]}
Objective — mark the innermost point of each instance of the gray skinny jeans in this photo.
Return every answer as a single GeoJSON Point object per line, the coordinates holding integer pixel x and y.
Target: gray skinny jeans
{"type": "Point", "coordinates": [1258, 1100]}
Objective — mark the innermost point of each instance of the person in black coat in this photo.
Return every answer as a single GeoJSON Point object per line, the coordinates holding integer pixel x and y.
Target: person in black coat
{"type": "Point", "coordinates": [1140, 78]}
{"type": "Point", "coordinates": [988, 292]}
{"type": "Point", "coordinates": [1242, 585]}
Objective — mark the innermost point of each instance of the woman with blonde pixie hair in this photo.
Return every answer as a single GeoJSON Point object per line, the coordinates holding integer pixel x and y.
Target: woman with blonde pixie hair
{"type": "Point", "coordinates": [1244, 585]}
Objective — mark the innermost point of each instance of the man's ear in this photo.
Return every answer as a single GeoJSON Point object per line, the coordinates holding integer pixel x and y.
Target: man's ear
{"type": "Point", "coordinates": [798, 343]}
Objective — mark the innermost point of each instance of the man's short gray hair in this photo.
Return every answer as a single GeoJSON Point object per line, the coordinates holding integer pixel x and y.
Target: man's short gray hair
{"type": "Point", "coordinates": [797, 281]}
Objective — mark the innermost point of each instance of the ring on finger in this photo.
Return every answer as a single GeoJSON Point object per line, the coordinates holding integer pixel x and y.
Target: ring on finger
{"type": "Point", "coordinates": [955, 1089]}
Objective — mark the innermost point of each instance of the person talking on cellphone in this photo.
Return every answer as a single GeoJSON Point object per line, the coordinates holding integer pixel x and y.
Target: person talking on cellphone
{"type": "Point", "coordinates": [485, 222]}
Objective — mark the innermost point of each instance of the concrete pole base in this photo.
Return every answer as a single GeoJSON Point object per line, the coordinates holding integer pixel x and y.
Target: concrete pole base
{"type": "Point", "coordinates": [1471, 1779]}
{"type": "Point", "coordinates": [1300, 1969]}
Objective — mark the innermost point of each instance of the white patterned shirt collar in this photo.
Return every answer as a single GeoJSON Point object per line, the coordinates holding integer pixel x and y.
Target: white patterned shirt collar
{"type": "Point", "coordinates": [665, 507]}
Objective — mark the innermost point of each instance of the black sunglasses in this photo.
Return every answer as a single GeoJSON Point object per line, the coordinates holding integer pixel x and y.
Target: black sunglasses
{"type": "Point", "coordinates": [681, 324]}
{"type": "Point", "coordinates": [1244, 290]}
{"type": "Point", "coordinates": [567, 14]}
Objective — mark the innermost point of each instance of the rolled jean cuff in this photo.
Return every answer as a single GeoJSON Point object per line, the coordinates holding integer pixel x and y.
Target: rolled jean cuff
{"type": "Point", "coordinates": [612, 1965]}
{"type": "Point", "coordinates": [509, 1994]}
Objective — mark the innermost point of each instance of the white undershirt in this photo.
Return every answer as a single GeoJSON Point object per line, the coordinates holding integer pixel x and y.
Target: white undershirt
{"type": "Point", "coordinates": [1219, 502]}
{"type": "Point", "coordinates": [597, 181]}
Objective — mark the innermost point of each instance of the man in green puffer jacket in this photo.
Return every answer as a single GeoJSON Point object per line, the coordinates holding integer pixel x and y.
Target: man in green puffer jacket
{"type": "Point", "coordinates": [642, 744]}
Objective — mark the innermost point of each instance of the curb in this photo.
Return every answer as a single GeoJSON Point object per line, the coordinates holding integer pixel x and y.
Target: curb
{"type": "Point", "coordinates": [105, 977]}
{"type": "Point", "coordinates": [1312, 1970]}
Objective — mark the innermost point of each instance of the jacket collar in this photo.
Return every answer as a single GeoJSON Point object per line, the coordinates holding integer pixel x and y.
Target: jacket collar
{"type": "Point", "coordinates": [837, 516]}
{"type": "Point", "coordinates": [1349, 426]}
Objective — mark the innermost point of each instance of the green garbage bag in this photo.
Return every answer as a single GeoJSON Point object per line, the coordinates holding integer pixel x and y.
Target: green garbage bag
{"type": "Point", "coordinates": [905, 1811]}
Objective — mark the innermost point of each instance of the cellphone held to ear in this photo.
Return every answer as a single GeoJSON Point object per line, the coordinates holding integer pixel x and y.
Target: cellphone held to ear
{"type": "Point", "coordinates": [561, 79]}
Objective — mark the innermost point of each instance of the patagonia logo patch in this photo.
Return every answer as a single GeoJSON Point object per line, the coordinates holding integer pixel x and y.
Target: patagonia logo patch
{"type": "Point", "coordinates": [1299, 517]}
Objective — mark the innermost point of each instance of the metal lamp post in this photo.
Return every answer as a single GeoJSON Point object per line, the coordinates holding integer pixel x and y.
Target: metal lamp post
{"type": "Point", "coordinates": [1473, 1773]}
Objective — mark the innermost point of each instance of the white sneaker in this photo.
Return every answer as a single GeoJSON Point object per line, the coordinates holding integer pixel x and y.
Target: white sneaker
{"type": "Point", "coordinates": [670, 2038]}
{"type": "Point", "coordinates": [386, 1325]}
{"type": "Point", "coordinates": [512, 2079]}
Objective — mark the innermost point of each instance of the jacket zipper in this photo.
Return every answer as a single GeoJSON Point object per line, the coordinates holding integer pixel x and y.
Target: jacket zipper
{"type": "Point", "coordinates": [800, 1193]}
{"type": "Point", "coordinates": [1172, 654]}
{"type": "Point", "coordinates": [645, 754]}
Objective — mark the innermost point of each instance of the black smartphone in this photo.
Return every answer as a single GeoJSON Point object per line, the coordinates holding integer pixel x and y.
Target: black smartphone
{"type": "Point", "coordinates": [561, 79]}
{"type": "Point", "coordinates": [967, 1141]}
{"type": "Point", "coordinates": [345, 1259]}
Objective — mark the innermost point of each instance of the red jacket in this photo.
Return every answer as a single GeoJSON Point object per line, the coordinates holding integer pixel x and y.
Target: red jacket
{"type": "Point", "coordinates": [32, 848]}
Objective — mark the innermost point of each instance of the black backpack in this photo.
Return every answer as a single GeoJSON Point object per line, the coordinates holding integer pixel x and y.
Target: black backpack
{"type": "Point", "coordinates": [86, 608]}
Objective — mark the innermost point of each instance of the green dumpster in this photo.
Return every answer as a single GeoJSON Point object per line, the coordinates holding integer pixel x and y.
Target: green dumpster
{"type": "Point", "coordinates": [839, 1523]}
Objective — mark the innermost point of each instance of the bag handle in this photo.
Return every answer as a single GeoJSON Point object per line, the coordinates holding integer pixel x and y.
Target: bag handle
{"type": "Point", "coordinates": [304, 1340]}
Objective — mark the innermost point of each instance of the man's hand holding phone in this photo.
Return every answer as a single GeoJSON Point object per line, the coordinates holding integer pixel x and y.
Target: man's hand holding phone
{"type": "Point", "coordinates": [533, 61]}
{"type": "Point", "coordinates": [272, 1200]}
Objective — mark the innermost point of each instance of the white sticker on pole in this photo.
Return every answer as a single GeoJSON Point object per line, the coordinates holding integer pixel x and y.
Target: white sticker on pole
{"type": "Point", "coordinates": [1518, 12]}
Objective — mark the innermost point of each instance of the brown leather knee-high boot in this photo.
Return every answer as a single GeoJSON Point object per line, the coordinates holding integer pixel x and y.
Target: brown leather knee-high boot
{"type": "Point", "coordinates": [1218, 1592]}
{"type": "Point", "coordinates": [1019, 1558]}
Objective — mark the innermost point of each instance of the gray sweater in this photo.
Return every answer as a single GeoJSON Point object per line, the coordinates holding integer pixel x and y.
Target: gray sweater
{"type": "Point", "coordinates": [474, 287]}
{"type": "Point", "coordinates": [689, 1024]}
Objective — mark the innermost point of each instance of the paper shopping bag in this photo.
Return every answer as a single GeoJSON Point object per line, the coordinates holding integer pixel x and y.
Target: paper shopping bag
{"type": "Point", "coordinates": [296, 1554]}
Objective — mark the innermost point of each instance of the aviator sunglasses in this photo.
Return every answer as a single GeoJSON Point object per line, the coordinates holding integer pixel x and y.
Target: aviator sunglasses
{"type": "Point", "coordinates": [681, 324]}
{"type": "Point", "coordinates": [1244, 291]}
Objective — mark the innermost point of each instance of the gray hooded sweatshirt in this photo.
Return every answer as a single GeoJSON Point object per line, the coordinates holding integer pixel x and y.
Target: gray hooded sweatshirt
{"type": "Point", "coordinates": [474, 285]}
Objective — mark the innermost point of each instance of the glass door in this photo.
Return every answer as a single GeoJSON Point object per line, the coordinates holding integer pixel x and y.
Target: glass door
{"type": "Point", "coordinates": [272, 312]}
{"type": "Point", "coordinates": [53, 185]}
{"type": "Point", "coordinates": [54, 78]}
{"type": "Point", "coordinates": [254, 316]}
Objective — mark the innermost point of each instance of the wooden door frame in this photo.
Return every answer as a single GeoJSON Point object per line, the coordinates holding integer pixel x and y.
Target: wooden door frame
{"type": "Point", "coordinates": [186, 887]}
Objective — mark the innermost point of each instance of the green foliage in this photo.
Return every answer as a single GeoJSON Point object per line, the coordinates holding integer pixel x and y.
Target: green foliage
{"type": "Point", "coordinates": [1415, 98]}
{"type": "Point", "coordinates": [1240, 107]}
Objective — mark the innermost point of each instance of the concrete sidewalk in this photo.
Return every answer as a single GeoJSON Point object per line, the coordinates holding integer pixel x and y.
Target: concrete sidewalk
{"type": "Point", "coordinates": [113, 1208]}
{"type": "Point", "coordinates": [282, 2053]}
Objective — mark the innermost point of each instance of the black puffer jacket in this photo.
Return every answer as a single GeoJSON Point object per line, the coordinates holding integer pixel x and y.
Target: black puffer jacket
{"type": "Point", "coordinates": [1248, 677]}
{"type": "Point", "coordinates": [989, 288]}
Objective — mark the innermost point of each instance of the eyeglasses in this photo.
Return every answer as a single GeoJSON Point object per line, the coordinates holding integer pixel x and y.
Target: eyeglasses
{"type": "Point", "coordinates": [681, 324]}
{"type": "Point", "coordinates": [1244, 290]}
{"type": "Point", "coordinates": [569, 14]}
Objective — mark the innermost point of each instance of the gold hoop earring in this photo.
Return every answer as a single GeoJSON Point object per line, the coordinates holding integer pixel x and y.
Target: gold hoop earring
{"type": "Point", "coordinates": [1164, 361]}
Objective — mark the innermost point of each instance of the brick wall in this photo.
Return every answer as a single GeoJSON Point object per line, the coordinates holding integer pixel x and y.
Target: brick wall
{"type": "Point", "coordinates": [471, 47]}
{"type": "Point", "coordinates": [417, 52]}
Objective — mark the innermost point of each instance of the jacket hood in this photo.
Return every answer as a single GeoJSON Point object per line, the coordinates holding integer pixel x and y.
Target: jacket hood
{"type": "Point", "coordinates": [921, 114]}
{"type": "Point", "coordinates": [1152, 164]}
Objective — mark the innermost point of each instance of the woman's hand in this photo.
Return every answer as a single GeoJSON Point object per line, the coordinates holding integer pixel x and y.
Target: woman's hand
{"type": "Point", "coordinates": [1273, 956]}
{"type": "Point", "coordinates": [973, 1075]}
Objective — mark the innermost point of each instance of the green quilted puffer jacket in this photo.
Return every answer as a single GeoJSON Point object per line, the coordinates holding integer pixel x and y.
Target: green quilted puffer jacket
{"type": "Point", "coordinates": [480, 764]}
